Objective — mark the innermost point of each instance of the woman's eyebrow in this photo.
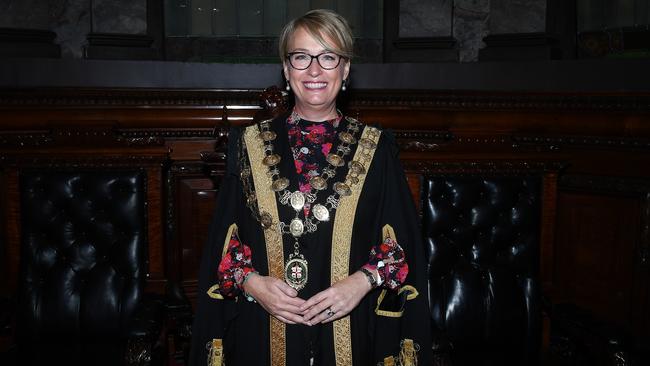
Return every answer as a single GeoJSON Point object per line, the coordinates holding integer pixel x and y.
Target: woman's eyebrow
{"type": "Point", "coordinates": [309, 51]}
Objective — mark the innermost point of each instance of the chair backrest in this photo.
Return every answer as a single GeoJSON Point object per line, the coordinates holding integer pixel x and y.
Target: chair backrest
{"type": "Point", "coordinates": [83, 252]}
{"type": "Point", "coordinates": [482, 236]}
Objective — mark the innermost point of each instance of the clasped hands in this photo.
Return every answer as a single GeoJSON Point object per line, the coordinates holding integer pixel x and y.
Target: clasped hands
{"type": "Point", "coordinates": [282, 301]}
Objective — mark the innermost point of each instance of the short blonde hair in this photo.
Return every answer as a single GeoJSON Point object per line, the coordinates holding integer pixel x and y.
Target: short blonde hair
{"type": "Point", "coordinates": [320, 24]}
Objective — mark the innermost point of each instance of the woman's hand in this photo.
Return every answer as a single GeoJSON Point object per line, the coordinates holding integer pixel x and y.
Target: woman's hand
{"type": "Point", "coordinates": [337, 301]}
{"type": "Point", "coordinates": [276, 297]}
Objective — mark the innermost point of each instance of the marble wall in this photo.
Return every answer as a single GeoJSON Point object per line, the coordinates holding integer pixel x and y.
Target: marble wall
{"type": "Point", "coordinates": [470, 27]}
{"type": "Point", "coordinates": [517, 16]}
{"type": "Point", "coordinates": [71, 19]}
{"type": "Point", "coordinates": [425, 18]}
{"type": "Point", "coordinates": [469, 21]}
{"type": "Point", "coordinates": [120, 16]}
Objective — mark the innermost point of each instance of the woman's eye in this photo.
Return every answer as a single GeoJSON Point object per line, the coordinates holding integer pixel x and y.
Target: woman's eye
{"type": "Point", "coordinates": [300, 57]}
{"type": "Point", "coordinates": [328, 58]}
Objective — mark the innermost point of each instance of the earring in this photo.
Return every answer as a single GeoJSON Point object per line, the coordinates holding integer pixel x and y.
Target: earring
{"type": "Point", "coordinates": [343, 87]}
{"type": "Point", "coordinates": [288, 87]}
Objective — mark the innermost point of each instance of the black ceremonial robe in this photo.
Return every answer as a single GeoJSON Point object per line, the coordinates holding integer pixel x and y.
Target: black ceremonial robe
{"type": "Point", "coordinates": [383, 325]}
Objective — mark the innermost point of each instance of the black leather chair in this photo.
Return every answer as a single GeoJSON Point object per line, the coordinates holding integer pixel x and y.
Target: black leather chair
{"type": "Point", "coordinates": [83, 265]}
{"type": "Point", "coordinates": [482, 237]}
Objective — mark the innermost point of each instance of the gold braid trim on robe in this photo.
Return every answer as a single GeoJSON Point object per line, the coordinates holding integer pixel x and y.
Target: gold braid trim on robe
{"type": "Point", "coordinates": [412, 292]}
{"type": "Point", "coordinates": [267, 205]}
{"type": "Point", "coordinates": [213, 292]}
{"type": "Point", "coordinates": [408, 355]}
{"type": "Point", "coordinates": [215, 353]}
{"type": "Point", "coordinates": [341, 241]}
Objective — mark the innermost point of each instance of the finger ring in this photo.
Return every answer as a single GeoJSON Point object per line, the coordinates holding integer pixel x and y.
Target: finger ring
{"type": "Point", "coordinates": [329, 312]}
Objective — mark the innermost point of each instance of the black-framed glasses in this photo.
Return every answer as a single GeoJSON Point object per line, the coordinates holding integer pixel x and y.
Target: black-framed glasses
{"type": "Point", "coordinates": [302, 60]}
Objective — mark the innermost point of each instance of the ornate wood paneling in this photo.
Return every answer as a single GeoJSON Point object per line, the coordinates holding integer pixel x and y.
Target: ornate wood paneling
{"type": "Point", "coordinates": [604, 240]}
{"type": "Point", "coordinates": [192, 196]}
{"type": "Point", "coordinates": [596, 223]}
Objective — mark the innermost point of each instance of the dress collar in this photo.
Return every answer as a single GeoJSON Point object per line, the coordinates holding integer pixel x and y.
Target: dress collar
{"type": "Point", "coordinates": [294, 118]}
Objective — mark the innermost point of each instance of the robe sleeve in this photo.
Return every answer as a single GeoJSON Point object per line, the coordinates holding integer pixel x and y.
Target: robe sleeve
{"type": "Point", "coordinates": [402, 316]}
{"type": "Point", "coordinates": [213, 312]}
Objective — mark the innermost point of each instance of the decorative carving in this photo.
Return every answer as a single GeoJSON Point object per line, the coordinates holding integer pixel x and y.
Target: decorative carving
{"type": "Point", "coordinates": [481, 167]}
{"type": "Point", "coordinates": [129, 97]}
{"type": "Point", "coordinates": [187, 168]}
{"type": "Point", "coordinates": [496, 101]}
{"type": "Point", "coordinates": [170, 133]}
{"type": "Point", "coordinates": [25, 139]}
{"type": "Point", "coordinates": [555, 143]}
{"type": "Point", "coordinates": [422, 140]}
{"type": "Point", "coordinates": [274, 103]}
{"type": "Point", "coordinates": [605, 184]}
{"type": "Point", "coordinates": [77, 162]}
{"type": "Point", "coordinates": [358, 99]}
{"type": "Point", "coordinates": [138, 351]}
{"type": "Point", "coordinates": [212, 156]}
{"type": "Point", "coordinates": [92, 136]}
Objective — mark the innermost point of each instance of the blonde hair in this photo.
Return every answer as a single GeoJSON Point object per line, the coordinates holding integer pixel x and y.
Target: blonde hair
{"type": "Point", "coordinates": [320, 24]}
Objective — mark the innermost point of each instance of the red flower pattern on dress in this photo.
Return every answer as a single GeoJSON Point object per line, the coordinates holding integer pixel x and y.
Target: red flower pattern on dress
{"type": "Point", "coordinates": [310, 143]}
{"type": "Point", "coordinates": [395, 269]}
{"type": "Point", "coordinates": [235, 265]}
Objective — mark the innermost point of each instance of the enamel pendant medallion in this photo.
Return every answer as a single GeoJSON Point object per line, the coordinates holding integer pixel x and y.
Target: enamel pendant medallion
{"type": "Point", "coordinates": [296, 271]}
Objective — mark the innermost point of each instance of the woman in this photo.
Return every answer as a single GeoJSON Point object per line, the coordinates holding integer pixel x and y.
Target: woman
{"type": "Point", "coordinates": [314, 256]}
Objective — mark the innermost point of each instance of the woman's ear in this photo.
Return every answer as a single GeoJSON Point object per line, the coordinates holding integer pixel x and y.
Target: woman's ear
{"type": "Point", "coordinates": [346, 69]}
{"type": "Point", "coordinates": [285, 69]}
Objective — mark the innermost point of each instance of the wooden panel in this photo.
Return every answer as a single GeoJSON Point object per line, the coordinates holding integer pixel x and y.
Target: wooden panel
{"type": "Point", "coordinates": [597, 237]}
{"type": "Point", "coordinates": [547, 234]}
{"type": "Point", "coordinates": [157, 279]}
{"type": "Point", "coordinates": [196, 201]}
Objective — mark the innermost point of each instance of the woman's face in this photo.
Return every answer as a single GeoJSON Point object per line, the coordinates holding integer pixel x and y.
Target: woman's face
{"type": "Point", "coordinates": [315, 88]}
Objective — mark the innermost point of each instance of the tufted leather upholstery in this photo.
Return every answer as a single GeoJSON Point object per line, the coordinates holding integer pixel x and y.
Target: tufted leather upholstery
{"type": "Point", "coordinates": [83, 265]}
{"type": "Point", "coordinates": [482, 242]}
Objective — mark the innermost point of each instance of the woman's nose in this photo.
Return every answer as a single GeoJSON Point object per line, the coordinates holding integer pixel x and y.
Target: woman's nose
{"type": "Point", "coordinates": [314, 68]}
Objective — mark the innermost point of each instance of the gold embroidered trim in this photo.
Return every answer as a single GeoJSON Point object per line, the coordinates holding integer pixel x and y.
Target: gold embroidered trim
{"type": "Point", "coordinates": [341, 240]}
{"type": "Point", "coordinates": [213, 292]}
{"type": "Point", "coordinates": [215, 353]}
{"type": "Point", "coordinates": [408, 355]}
{"type": "Point", "coordinates": [231, 229]}
{"type": "Point", "coordinates": [267, 205]}
{"type": "Point", "coordinates": [388, 232]}
{"type": "Point", "coordinates": [413, 293]}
